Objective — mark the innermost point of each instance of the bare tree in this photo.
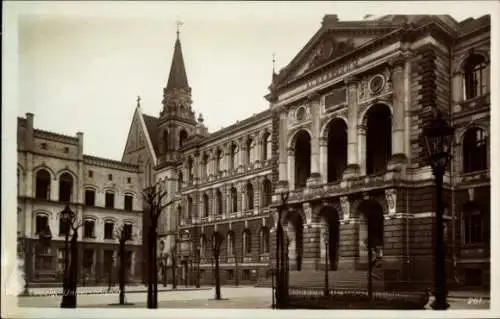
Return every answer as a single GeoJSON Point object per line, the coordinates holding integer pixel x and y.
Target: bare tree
{"type": "Point", "coordinates": [123, 235]}
{"type": "Point", "coordinates": [154, 198]}
{"type": "Point", "coordinates": [71, 226]}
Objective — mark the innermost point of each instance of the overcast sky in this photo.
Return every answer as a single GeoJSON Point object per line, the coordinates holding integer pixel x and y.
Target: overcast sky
{"type": "Point", "coordinates": [82, 65]}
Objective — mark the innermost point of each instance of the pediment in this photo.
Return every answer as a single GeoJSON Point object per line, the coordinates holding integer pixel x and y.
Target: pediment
{"type": "Point", "coordinates": [325, 46]}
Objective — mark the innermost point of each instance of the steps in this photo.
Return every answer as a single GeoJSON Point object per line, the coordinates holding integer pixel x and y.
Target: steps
{"type": "Point", "coordinates": [336, 279]}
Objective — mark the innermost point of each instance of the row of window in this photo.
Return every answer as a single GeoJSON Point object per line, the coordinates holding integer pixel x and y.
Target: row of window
{"type": "Point", "coordinates": [109, 199]}
{"type": "Point", "coordinates": [42, 223]}
{"type": "Point", "coordinates": [110, 176]}
{"type": "Point", "coordinates": [246, 243]}
{"type": "Point", "coordinates": [250, 157]}
{"type": "Point", "coordinates": [233, 207]}
{"type": "Point", "coordinates": [42, 191]}
{"type": "Point", "coordinates": [476, 76]}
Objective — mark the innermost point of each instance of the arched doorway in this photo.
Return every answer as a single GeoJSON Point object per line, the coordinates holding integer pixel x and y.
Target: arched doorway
{"type": "Point", "coordinates": [330, 218]}
{"type": "Point", "coordinates": [302, 158]}
{"type": "Point", "coordinates": [378, 138]}
{"type": "Point", "coordinates": [337, 149]}
{"type": "Point", "coordinates": [294, 239]}
{"type": "Point", "coordinates": [371, 229]}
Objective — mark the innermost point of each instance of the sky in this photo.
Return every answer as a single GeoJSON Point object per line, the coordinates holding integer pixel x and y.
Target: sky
{"type": "Point", "coordinates": [82, 65]}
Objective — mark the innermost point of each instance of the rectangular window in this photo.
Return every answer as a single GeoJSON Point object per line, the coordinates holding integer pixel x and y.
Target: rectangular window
{"type": "Point", "coordinates": [110, 177]}
{"type": "Point", "coordinates": [110, 200]}
{"type": "Point", "coordinates": [41, 223]}
{"type": "Point", "coordinates": [88, 229]}
{"type": "Point", "coordinates": [473, 228]}
{"type": "Point", "coordinates": [128, 202]}
{"type": "Point", "coordinates": [108, 230]}
{"type": "Point", "coordinates": [91, 174]}
{"type": "Point", "coordinates": [89, 197]}
{"type": "Point", "coordinates": [127, 228]}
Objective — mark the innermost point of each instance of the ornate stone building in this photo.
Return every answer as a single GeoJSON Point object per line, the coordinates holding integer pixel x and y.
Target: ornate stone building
{"type": "Point", "coordinates": [342, 135]}
{"type": "Point", "coordinates": [52, 172]}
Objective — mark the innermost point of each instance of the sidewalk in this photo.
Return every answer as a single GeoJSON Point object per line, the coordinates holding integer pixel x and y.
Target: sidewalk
{"type": "Point", "coordinates": [466, 294]}
{"type": "Point", "coordinates": [103, 290]}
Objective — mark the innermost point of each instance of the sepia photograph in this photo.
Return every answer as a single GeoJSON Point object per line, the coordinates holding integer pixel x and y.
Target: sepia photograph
{"type": "Point", "coordinates": [192, 157]}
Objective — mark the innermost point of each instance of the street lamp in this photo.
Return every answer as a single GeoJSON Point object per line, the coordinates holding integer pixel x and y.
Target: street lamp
{"type": "Point", "coordinates": [198, 261]}
{"type": "Point", "coordinates": [216, 242]}
{"type": "Point", "coordinates": [326, 289]}
{"type": "Point", "coordinates": [280, 268]}
{"type": "Point", "coordinates": [69, 295]}
{"type": "Point", "coordinates": [438, 136]}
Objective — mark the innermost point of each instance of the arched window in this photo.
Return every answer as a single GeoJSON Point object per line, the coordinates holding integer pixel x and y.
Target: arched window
{"type": "Point", "coordinates": [234, 199]}
{"type": "Point", "coordinates": [234, 154]}
{"type": "Point", "coordinates": [267, 192]}
{"type": "Point", "coordinates": [190, 169]}
{"type": "Point", "coordinates": [264, 240]}
{"type": "Point", "coordinates": [473, 225]}
{"type": "Point", "coordinates": [249, 191]}
{"type": "Point", "coordinates": [247, 242]}
{"type": "Point", "coordinates": [302, 158]}
{"type": "Point", "coordinates": [204, 164]}
{"type": "Point", "coordinates": [378, 139]}
{"type": "Point", "coordinates": [475, 151]}
{"type": "Point", "coordinates": [180, 179]}
{"type": "Point", "coordinates": [205, 205]}
{"type": "Point", "coordinates": [230, 244]}
{"type": "Point", "coordinates": [266, 146]}
{"type": "Point", "coordinates": [41, 222]}
{"type": "Point", "coordinates": [190, 207]}
{"type": "Point", "coordinates": [65, 187]}
{"type": "Point", "coordinates": [180, 219]}
{"type": "Point", "coordinates": [476, 76]}
{"type": "Point", "coordinates": [219, 154]}
{"type": "Point", "coordinates": [165, 141]}
{"type": "Point", "coordinates": [218, 197]}
{"type": "Point", "coordinates": [249, 149]}
{"type": "Point", "coordinates": [42, 184]}
{"type": "Point", "coordinates": [183, 135]}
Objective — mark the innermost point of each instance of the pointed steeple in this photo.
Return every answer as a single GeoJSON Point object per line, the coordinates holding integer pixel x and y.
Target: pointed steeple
{"type": "Point", "coordinates": [177, 78]}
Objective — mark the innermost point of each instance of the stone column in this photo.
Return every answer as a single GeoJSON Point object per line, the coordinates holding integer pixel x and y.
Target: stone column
{"type": "Point", "coordinates": [314, 102]}
{"type": "Point", "coordinates": [323, 158]}
{"type": "Point", "coordinates": [283, 176]}
{"type": "Point", "coordinates": [361, 136]}
{"type": "Point", "coordinates": [227, 159]}
{"type": "Point", "coordinates": [407, 102]}
{"type": "Point", "coordinates": [353, 162]}
{"type": "Point", "coordinates": [398, 106]}
{"type": "Point", "coordinates": [291, 168]}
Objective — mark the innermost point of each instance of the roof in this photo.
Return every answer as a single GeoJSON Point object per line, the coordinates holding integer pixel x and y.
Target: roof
{"type": "Point", "coordinates": [177, 78]}
{"type": "Point", "coordinates": [152, 127]}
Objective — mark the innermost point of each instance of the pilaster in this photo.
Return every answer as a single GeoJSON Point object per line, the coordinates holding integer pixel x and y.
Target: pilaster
{"type": "Point", "coordinates": [353, 162]}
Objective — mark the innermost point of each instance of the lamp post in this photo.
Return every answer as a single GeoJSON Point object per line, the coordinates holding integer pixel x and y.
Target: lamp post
{"type": "Point", "coordinates": [198, 259]}
{"type": "Point", "coordinates": [69, 295]}
{"type": "Point", "coordinates": [438, 136]}
{"type": "Point", "coordinates": [327, 288]}
{"type": "Point", "coordinates": [216, 242]}
{"type": "Point", "coordinates": [280, 271]}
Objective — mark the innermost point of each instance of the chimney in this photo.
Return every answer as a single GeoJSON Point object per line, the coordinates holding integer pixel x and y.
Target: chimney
{"type": "Point", "coordinates": [28, 137]}
{"type": "Point", "coordinates": [330, 19]}
{"type": "Point", "coordinates": [79, 135]}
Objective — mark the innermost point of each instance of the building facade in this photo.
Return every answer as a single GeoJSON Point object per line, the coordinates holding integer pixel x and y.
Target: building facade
{"type": "Point", "coordinates": [54, 172]}
{"type": "Point", "coordinates": [342, 135]}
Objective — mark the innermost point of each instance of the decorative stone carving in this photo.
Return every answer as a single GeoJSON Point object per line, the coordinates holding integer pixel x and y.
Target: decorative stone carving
{"type": "Point", "coordinates": [345, 205]}
{"type": "Point", "coordinates": [308, 212]}
{"type": "Point", "coordinates": [390, 197]}
{"type": "Point", "coordinates": [327, 49]}
{"type": "Point", "coordinates": [275, 215]}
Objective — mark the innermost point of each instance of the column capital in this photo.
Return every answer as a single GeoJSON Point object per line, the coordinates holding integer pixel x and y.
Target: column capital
{"type": "Point", "coordinates": [397, 62]}
{"type": "Point", "coordinates": [361, 129]}
{"type": "Point", "coordinates": [290, 151]}
{"type": "Point", "coordinates": [323, 141]}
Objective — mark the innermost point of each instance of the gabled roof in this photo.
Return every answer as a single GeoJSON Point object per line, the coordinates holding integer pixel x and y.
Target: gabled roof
{"type": "Point", "coordinates": [152, 127]}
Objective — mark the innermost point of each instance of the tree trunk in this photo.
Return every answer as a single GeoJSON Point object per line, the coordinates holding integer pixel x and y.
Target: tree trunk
{"type": "Point", "coordinates": [155, 269]}
{"type": "Point", "coordinates": [150, 271]}
{"type": "Point", "coordinates": [174, 264]}
{"type": "Point", "coordinates": [73, 272]}
{"type": "Point", "coordinates": [217, 277]}
{"type": "Point", "coordinates": [122, 272]}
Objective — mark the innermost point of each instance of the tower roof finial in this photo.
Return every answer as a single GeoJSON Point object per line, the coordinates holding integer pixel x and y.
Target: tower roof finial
{"type": "Point", "coordinates": [274, 62]}
{"type": "Point", "coordinates": [179, 23]}
{"type": "Point", "coordinates": [138, 101]}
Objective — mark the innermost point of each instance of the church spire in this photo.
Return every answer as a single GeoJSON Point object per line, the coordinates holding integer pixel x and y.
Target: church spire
{"type": "Point", "coordinates": [177, 78]}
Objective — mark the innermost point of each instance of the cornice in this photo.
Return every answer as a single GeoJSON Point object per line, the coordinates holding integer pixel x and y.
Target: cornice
{"type": "Point", "coordinates": [55, 137]}
{"type": "Point", "coordinates": [108, 163]}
